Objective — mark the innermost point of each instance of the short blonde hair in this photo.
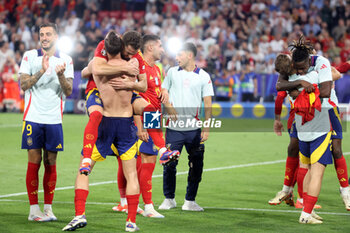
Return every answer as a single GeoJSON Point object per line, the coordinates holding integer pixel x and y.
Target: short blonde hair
{"type": "Point", "coordinates": [283, 64]}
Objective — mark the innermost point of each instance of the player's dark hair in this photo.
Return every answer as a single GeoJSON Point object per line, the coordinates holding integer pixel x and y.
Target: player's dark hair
{"type": "Point", "coordinates": [132, 38]}
{"type": "Point", "coordinates": [113, 43]}
{"type": "Point", "coordinates": [301, 49]}
{"type": "Point", "coordinates": [147, 38]}
{"type": "Point", "coordinates": [190, 47]}
{"type": "Point", "coordinates": [52, 25]}
{"type": "Point", "coordinates": [283, 64]}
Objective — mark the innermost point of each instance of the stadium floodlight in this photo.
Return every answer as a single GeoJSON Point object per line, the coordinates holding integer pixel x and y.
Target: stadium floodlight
{"type": "Point", "coordinates": [174, 45]}
{"type": "Point", "coordinates": [65, 44]}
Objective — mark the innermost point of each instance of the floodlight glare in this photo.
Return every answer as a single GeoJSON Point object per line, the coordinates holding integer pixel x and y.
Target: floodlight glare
{"type": "Point", "coordinates": [65, 44]}
{"type": "Point", "coordinates": [174, 45]}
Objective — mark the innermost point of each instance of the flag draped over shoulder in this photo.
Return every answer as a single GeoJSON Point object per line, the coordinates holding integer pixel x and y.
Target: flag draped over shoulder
{"type": "Point", "coordinates": [306, 103]}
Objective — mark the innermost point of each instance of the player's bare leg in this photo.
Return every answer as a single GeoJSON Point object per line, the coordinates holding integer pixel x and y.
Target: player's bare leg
{"type": "Point", "coordinates": [81, 194]}
{"type": "Point", "coordinates": [132, 193]}
{"type": "Point", "coordinates": [140, 106]}
{"type": "Point", "coordinates": [312, 188]}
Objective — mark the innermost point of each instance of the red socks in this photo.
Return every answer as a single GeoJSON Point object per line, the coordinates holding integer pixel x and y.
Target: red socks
{"type": "Point", "coordinates": [32, 182]}
{"type": "Point", "coordinates": [342, 171]}
{"type": "Point", "coordinates": [309, 203]}
{"type": "Point", "coordinates": [291, 167]}
{"type": "Point", "coordinates": [146, 182]}
{"type": "Point", "coordinates": [50, 178]}
{"type": "Point", "coordinates": [80, 200]}
{"type": "Point", "coordinates": [133, 202]}
{"type": "Point", "coordinates": [300, 180]}
{"type": "Point", "coordinates": [91, 133]}
{"type": "Point", "coordinates": [156, 134]}
{"type": "Point", "coordinates": [121, 179]}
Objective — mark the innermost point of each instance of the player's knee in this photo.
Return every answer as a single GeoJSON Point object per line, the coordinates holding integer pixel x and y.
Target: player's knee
{"type": "Point", "coordinates": [293, 151]}
{"type": "Point", "coordinates": [337, 153]}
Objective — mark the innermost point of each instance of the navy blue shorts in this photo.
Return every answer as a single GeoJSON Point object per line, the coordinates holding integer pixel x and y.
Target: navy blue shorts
{"type": "Point", "coordinates": [318, 150]}
{"type": "Point", "coordinates": [336, 123]}
{"type": "Point", "coordinates": [293, 133]}
{"type": "Point", "coordinates": [37, 136]}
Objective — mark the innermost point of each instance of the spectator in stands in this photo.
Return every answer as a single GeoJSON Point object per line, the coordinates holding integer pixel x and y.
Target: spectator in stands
{"type": "Point", "coordinates": [345, 52]}
{"type": "Point", "coordinates": [224, 86]}
{"type": "Point", "coordinates": [11, 91]}
{"type": "Point", "coordinates": [249, 84]}
{"type": "Point", "coordinates": [339, 30]}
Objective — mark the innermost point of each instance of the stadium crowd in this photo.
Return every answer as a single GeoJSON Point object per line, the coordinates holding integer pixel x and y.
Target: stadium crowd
{"type": "Point", "coordinates": [236, 39]}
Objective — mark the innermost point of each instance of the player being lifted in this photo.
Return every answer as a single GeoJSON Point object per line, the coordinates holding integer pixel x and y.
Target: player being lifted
{"type": "Point", "coordinates": [116, 136]}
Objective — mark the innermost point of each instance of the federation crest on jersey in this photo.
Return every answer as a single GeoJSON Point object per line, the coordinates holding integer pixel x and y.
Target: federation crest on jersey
{"type": "Point", "coordinates": [29, 141]}
{"type": "Point", "coordinates": [103, 52]}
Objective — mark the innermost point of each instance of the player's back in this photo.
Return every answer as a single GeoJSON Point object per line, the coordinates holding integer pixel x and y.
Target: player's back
{"type": "Point", "coordinates": [116, 103]}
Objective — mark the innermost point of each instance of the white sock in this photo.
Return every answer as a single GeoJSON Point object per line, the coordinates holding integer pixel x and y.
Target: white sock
{"type": "Point", "coordinates": [344, 190]}
{"type": "Point", "coordinates": [34, 208]}
{"type": "Point", "coordinates": [123, 201]}
{"type": "Point", "coordinates": [148, 207]}
{"type": "Point", "coordinates": [47, 207]}
{"type": "Point", "coordinates": [286, 188]}
{"type": "Point", "coordinates": [305, 215]}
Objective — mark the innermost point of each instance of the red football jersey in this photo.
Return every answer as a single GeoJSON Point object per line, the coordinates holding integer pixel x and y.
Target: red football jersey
{"type": "Point", "coordinates": [99, 52]}
{"type": "Point", "coordinates": [153, 85]}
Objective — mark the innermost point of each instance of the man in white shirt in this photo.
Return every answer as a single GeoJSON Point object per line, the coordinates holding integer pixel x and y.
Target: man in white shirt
{"type": "Point", "coordinates": [188, 86]}
{"type": "Point", "coordinates": [46, 78]}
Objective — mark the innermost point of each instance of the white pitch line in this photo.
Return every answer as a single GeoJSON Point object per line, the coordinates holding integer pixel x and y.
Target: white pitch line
{"type": "Point", "coordinates": [157, 176]}
{"type": "Point", "coordinates": [205, 207]}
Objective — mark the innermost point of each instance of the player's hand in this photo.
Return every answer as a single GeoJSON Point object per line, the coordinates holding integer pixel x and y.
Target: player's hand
{"type": "Point", "coordinates": [307, 86]}
{"type": "Point", "coordinates": [143, 135]}
{"type": "Point", "coordinates": [121, 83]}
{"type": "Point", "coordinates": [60, 69]}
{"type": "Point", "coordinates": [45, 62]}
{"type": "Point", "coordinates": [278, 127]}
{"type": "Point", "coordinates": [204, 134]}
{"type": "Point", "coordinates": [171, 113]}
{"type": "Point", "coordinates": [164, 96]}
{"type": "Point", "coordinates": [294, 93]}
{"type": "Point", "coordinates": [132, 68]}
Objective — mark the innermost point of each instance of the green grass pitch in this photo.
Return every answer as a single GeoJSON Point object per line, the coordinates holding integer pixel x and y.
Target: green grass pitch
{"type": "Point", "coordinates": [243, 170]}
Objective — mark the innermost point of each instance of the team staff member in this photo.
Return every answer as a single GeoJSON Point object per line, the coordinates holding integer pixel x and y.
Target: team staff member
{"type": "Point", "coordinates": [47, 78]}
{"type": "Point", "coordinates": [188, 86]}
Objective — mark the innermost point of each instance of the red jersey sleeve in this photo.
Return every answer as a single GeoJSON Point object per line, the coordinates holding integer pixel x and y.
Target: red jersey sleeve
{"type": "Point", "coordinates": [100, 50]}
{"type": "Point", "coordinates": [343, 68]}
{"type": "Point", "coordinates": [141, 61]}
{"type": "Point", "coordinates": [279, 102]}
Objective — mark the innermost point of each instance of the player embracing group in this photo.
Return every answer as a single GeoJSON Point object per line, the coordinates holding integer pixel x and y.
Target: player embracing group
{"type": "Point", "coordinates": [314, 126]}
{"type": "Point", "coordinates": [124, 83]}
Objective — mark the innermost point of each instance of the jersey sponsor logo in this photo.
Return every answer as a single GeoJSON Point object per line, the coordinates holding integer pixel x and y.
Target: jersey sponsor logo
{"type": "Point", "coordinates": [25, 58]}
{"type": "Point", "coordinates": [88, 146]}
{"type": "Point", "coordinates": [29, 141]}
{"type": "Point", "coordinates": [71, 62]}
{"type": "Point", "coordinates": [340, 171]}
{"type": "Point", "coordinates": [209, 81]}
{"type": "Point", "coordinates": [154, 148]}
{"type": "Point", "coordinates": [323, 66]}
{"type": "Point", "coordinates": [34, 183]}
{"type": "Point", "coordinates": [98, 100]}
{"type": "Point", "coordinates": [151, 120]}
{"type": "Point", "coordinates": [59, 146]}
{"type": "Point", "coordinates": [89, 136]}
